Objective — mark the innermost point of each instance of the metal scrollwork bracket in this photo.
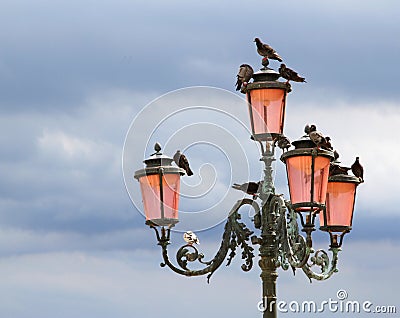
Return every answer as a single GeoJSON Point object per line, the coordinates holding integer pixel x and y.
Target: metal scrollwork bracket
{"type": "Point", "coordinates": [295, 250]}
{"type": "Point", "coordinates": [236, 234]}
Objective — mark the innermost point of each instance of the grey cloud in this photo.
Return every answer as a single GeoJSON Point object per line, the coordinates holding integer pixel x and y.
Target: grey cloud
{"type": "Point", "coordinates": [72, 77]}
{"type": "Point", "coordinates": [56, 55]}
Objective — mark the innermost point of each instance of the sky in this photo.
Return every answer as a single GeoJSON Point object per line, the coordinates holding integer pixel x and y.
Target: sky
{"type": "Point", "coordinates": [86, 89]}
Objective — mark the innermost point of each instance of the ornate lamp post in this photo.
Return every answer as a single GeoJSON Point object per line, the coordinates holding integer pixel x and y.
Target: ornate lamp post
{"type": "Point", "coordinates": [279, 239]}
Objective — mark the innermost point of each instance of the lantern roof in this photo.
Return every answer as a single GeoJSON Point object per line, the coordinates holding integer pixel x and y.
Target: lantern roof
{"type": "Point", "coordinates": [266, 74]}
{"type": "Point", "coordinates": [307, 152]}
{"type": "Point", "coordinates": [158, 159]}
{"type": "Point", "coordinates": [344, 178]}
{"type": "Point", "coordinates": [156, 162]}
{"type": "Point", "coordinates": [303, 142]}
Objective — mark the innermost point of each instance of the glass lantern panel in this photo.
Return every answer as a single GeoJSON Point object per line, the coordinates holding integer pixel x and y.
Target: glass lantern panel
{"type": "Point", "coordinates": [171, 186]}
{"type": "Point", "coordinates": [150, 188]}
{"type": "Point", "coordinates": [268, 109]}
{"type": "Point", "coordinates": [300, 174]}
{"type": "Point", "coordinates": [339, 204]}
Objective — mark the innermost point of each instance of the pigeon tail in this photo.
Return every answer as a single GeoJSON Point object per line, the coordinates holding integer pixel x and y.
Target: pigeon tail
{"type": "Point", "coordinates": [238, 84]}
{"type": "Point", "coordinates": [236, 186]}
{"type": "Point", "coordinates": [189, 172]}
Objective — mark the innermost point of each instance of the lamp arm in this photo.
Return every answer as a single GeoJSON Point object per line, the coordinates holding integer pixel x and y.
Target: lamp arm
{"type": "Point", "coordinates": [235, 234]}
{"type": "Point", "coordinates": [296, 251]}
{"type": "Point", "coordinates": [321, 259]}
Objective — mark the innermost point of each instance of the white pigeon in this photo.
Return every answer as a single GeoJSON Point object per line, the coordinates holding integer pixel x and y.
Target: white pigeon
{"type": "Point", "coordinates": [190, 238]}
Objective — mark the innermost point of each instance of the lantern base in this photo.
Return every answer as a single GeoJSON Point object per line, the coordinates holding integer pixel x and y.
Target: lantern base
{"type": "Point", "coordinates": [162, 222]}
{"type": "Point", "coordinates": [306, 207]}
{"type": "Point", "coordinates": [266, 137]}
{"type": "Point", "coordinates": [335, 228]}
{"type": "Point", "coordinates": [336, 239]}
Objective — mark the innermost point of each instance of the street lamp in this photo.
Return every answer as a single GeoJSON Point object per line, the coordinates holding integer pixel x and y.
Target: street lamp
{"type": "Point", "coordinates": [340, 200]}
{"type": "Point", "coordinates": [280, 241]}
{"type": "Point", "coordinates": [267, 101]}
{"type": "Point", "coordinates": [159, 183]}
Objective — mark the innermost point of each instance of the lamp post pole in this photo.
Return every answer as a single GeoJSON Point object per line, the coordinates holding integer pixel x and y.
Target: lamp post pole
{"type": "Point", "coordinates": [268, 246]}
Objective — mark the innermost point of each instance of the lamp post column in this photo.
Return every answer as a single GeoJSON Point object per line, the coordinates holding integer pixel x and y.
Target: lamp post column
{"type": "Point", "coordinates": [267, 263]}
{"type": "Point", "coordinates": [268, 245]}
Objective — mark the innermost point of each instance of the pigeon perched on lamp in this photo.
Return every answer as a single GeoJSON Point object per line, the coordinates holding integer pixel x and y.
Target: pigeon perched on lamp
{"type": "Point", "coordinates": [244, 75]}
{"type": "Point", "coordinates": [290, 75]}
{"type": "Point", "coordinates": [307, 129]}
{"type": "Point", "coordinates": [283, 142]}
{"type": "Point", "coordinates": [317, 137]}
{"type": "Point", "coordinates": [335, 169]}
{"type": "Point", "coordinates": [327, 145]}
{"type": "Point", "coordinates": [182, 162]}
{"type": "Point", "coordinates": [335, 155]}
{"type": "Point", "coordinates": [358, 169]}
{"type": "Point", "coordinates": [190, 238]}
{"type": "Point", "coordinates": [267, 52]}
{"type": "Point", "coordinates": [251, 188]}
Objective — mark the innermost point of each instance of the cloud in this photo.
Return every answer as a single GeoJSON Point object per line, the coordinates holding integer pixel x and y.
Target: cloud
{"type": "Point", "coordinates": [65, 168]}
{"type": "Point", "coordinates": [52, 63]}
{"type": "Point", "coordinates": [73, 75]}
{"type": "Point", "coordinates": [120, 283]}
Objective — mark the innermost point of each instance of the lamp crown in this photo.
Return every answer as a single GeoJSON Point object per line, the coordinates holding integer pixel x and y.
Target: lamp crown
{"type": "Point", "coordinates": [157, 147]}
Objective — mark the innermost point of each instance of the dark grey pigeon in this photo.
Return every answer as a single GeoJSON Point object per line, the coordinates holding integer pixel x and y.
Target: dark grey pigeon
{"type": "Point", "coordinates": [326, 144]}
{"type": "Point", "coordinates": [182, 162]}
{"type": "Point", "coordinates": [283, 143]}
{"type": "Point", "coordinates": [266, 51]}
{"type": "Point", "coordinates": [244, 75]}
{"type": "Point", "coordinates": [335, 169]}
{"type": "Point", "coordinates": [248, 187]}
{"type": "Point", "coordinates": [336, 155]}
{"type": "Point", "coordinates": [290, 75]}
{"type": "Point", "coordinates": [358, 169]}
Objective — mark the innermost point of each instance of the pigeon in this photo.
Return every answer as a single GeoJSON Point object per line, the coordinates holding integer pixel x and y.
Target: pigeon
{"type": "Point", "coordinates": [283, 143]}
{"type": "Point", "coordinates": [244, 75]}
{"type": "Point", "coordinates": [316, 136]}
{"type": "Point", "coordinates": [335, 155]}
{"type": "Point", "coordinates": [267, 52]}
{"type": "Point", "coordinates": [358, 169]}
{"type": "Point", "coordinates": [335, 169]}
{"type": "Point", "coordinates": [190, 238]}
{"type": "Point", "coordinates": [326, 144]}
{"type": "Point", "coordinates": [290, 75]}
{"type": "Point", "coordinates": [307, 129]}
{"type": "Point", "coordinates": [182, 162]}
{"type": "Point", "coordinates": [248, 187]}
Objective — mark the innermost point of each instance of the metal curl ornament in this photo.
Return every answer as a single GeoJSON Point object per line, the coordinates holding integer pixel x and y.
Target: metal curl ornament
{"type": "Point", "coordinates": [236, 234]}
